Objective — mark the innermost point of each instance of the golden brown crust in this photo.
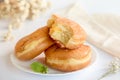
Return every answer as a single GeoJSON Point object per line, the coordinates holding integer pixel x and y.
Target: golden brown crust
{"type": "Point", "coordinates": [67, 33]}
{"type": "Point", "coordinates": [69, 68]}
{"type": "Point", "coordinates": [68, 60]}
{"type": "Point", "coordinates": [32, 45]}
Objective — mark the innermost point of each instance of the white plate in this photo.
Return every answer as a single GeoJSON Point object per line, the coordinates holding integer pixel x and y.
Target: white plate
{"type": "Point", "coordinates": [25, 66]}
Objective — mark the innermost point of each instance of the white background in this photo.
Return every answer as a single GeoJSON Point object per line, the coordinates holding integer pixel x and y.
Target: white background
{"type": "Point", "coordinates": [9, 72]}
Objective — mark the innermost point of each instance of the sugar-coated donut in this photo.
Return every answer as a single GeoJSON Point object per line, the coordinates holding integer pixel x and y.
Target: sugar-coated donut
{"type": "Point", "coordinates": [67, 33]}
{"type": "Point", "coordinates": [32, 45]}
{"type": "Point", "coordinates": [68, 60]}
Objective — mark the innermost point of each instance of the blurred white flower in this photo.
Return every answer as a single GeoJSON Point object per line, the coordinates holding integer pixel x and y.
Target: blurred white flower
{"type": "Point", "coordinates": [20, 10]}
{"type": "Point", "coordinates": [114, 67]}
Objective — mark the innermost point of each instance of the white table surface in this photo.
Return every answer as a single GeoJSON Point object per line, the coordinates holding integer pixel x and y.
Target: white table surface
{"type": "Point", "coordinates": [10, 72]}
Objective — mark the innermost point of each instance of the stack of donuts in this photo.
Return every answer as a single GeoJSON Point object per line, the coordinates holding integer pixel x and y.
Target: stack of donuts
{"type": "Point", "coordinates": [62, 41]}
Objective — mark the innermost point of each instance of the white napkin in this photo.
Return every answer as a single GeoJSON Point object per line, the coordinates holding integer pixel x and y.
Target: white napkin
{"type": "Point", "coordinates": [102, 30]}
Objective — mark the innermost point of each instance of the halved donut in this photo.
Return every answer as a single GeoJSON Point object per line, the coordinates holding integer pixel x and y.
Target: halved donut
{"type": "Point", "coordinates": [66, 33]}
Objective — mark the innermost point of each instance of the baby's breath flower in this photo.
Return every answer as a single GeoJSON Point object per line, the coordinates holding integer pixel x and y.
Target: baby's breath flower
{"type": "Point", "coordinates": [9, 36]}
{"type": "Point", "coordinates": [20, 10]}
{"type": "Point", "coordinates": [114, 67]}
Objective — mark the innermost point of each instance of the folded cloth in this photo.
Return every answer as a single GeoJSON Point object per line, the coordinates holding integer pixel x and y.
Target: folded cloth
{"type": "Point", "coordinates": [110, 21]}
{"type": "Point", "coordinates": [103, 31]}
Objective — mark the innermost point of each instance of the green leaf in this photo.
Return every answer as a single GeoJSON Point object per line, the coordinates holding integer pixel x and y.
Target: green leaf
{"type": "Point", "coordinates": [38, 67]}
